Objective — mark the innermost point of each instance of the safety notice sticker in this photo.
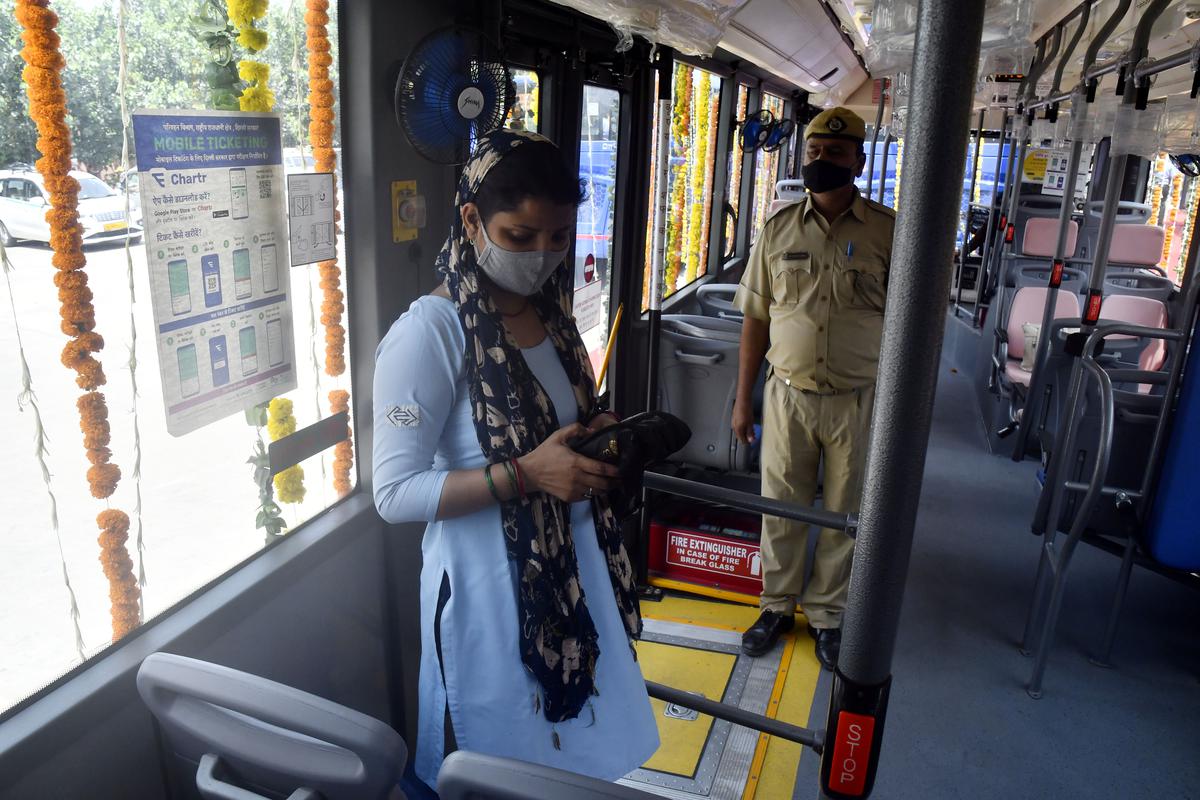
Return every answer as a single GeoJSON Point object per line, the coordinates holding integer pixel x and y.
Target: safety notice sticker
{"type": "Point", "coordinates": [714, 554]}
{"type": "Point", "coordinates": [310, 217]}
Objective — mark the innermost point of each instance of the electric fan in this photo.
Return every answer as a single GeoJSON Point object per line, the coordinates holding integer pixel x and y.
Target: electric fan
{"type": "Point", "coordinates": [780, 133]}
{"type": "Point", "coordinates": [453, 88]}
{"type": "Point", "coordinates": [756, 129]}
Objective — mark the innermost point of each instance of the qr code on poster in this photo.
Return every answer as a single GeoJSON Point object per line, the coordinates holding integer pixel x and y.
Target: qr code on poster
{"type": "Point", "coordinates": [264, 188]}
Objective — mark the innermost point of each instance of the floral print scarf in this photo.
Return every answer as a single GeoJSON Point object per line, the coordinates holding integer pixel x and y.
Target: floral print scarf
{"type": "Point", "coordinates": [513, 415]}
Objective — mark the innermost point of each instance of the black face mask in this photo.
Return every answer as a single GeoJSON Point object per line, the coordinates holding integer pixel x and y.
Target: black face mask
{"type": "Point", "coordinates": [825, 176]}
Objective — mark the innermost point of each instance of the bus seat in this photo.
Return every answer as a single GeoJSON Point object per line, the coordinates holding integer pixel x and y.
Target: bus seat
{"type": "Point", "coordinates": [1142, 311]}
{"type": "Point", "coordinates": [272, 737]}
{"type": "Point", "coordinates": [1139, 283]}
{"type": "Point", "coordinates": [1128, 213]}
{"type": "Point", "coordinates": [1041, 237]}
{"type": "Point", "coordinates": [698, 367]}
{"type": "Point", "coordinates": [716, 300]}
{"type": "Point", "coordinates": [474, 776]}
{"type": "Point", "coordinates": [1136, 244]}
{"type": "Point", "coordinates": [791, 190]}
{"type": "Point", "coordinates": [1027, 306]}
{"type": "Point", "coordinates": [1073, 280]}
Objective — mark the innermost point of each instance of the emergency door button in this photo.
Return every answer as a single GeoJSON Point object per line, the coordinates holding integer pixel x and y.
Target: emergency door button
{"type": "Point", "coordinates": [852, 754]}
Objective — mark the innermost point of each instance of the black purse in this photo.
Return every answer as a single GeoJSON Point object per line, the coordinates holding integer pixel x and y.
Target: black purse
{"type": "Point", "coordinates": [632, 444]}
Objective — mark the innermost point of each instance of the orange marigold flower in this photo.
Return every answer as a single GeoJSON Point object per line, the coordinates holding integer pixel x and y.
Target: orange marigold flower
{"type": "Point", "coordinates": [103, 479]}
{"type": "Point", "coordinates": [90, 375]}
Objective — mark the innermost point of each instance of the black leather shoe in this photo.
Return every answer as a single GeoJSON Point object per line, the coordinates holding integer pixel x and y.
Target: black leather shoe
{"type": "Point", "coordinates": [765, 632]}
{"type": "Point", "coordinates": [828, 643]}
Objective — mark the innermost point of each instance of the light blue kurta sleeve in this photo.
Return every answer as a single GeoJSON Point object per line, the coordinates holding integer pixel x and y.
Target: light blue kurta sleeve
{"type": "Point", "coordinates": [417, 371]}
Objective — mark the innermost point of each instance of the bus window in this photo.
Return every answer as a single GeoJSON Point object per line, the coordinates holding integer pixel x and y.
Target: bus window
{"type": "Point", "coordinates": [524, 114]}
{"type": "Point", "coordinates": [733, 191]}
{"type": "Point", "coordinates": [766, 171]}
{"type": "Point", "coordinates": [696, 101]}
{"type": "Point", "coordinates": [594, 224]}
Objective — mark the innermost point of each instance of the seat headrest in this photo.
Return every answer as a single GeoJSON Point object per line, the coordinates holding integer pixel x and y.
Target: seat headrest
{"type": "Point", "coordinates": [1041, 235]}
{"type": "Point", "coordinates": [1133, 243]}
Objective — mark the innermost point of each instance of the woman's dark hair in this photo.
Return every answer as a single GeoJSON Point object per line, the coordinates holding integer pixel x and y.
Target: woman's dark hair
{"type": "Point", "coordinates": [535, 169]}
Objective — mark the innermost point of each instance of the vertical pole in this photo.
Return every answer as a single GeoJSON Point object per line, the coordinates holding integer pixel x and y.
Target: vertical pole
{"type": "Point", "coordinates": [657, 265]}
{"type": "Point", "coordinates": [887, 154]}
{"type": "Point", "coordinates": [948, 32]}
{"type": "Point", "coordinates": [962, 253]}
{"type": "Point", "coordinates": [992, 223]}
{"type": "Point", "coordinates": [875, 138]}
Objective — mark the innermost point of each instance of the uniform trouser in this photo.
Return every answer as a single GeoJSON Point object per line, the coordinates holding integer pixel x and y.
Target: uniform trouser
{"type": "Point", "coordinates": [799, 429]}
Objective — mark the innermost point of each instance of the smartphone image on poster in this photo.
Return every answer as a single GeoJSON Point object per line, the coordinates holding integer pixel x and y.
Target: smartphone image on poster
{"type": "Point", "coordinates": [189, 374]}
{"type": "Point", "coordinates": [248, 347]}
{"type": "Point", "coordinates": [270, 269]}
{"type": "Point", "coordinates": [218, 356]}
{"type": "Point", "coordinates": [239, 197]}
{"type": "Point", "coordinates": [241, 274]}
{"type": "Point", "coordinates": [181, 291]}
{"type": "Point", "coordinates": [275, 342]}
{"type": "Point", "coordinates": [210, 271]}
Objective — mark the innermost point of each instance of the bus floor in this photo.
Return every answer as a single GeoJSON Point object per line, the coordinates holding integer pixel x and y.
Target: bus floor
{"type": "Point", "coordinates": [960, 723]}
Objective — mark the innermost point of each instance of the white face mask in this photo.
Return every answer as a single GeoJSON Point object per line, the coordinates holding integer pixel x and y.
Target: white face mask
{"type": "Point", "coordinates": [522, 273]}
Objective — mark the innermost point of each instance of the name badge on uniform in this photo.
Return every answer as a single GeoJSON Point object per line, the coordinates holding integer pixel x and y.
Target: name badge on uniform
{"type": "Point", "coordinates": [796, 255]}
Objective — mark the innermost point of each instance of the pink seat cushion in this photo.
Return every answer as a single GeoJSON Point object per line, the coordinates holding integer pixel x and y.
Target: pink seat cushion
{"type": "Point", "coordinates": [1014, 372]}
{"type": "Point", "coordinates": [1144, 311]}
{"type": "Point", "coordinates": [1027, 306]}
{"type": "Point", "coordinates": [1041, 235]}
{"type": "Point", "coordinates": [1136, 244]}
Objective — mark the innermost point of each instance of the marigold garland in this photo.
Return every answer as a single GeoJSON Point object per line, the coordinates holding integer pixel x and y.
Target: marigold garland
{"type": "Point", "coordinates": [257, 96]}
{"type": "Point", "coordinates": [48, 109]}
{"type": "Point", "coordinates": [343, 452]}
{"type": "Point", "coordinates": [118, 568]}
{"type": "Point", "coordinates": [320, 137]}
{"type": "Point", "coordinates": [289, 484]}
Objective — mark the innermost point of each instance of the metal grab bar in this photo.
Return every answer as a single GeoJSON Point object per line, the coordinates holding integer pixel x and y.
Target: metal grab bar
{"type": "Point", "coordinates": [1053, 562]}
{"type": "Point", "coordinates": [744, 501]}
{"type": "Point", "coordinates": [738, 716]}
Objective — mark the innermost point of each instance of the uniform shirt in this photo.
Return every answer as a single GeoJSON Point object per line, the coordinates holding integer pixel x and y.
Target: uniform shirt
{"type": "Point", "coordinates": [822, 288]}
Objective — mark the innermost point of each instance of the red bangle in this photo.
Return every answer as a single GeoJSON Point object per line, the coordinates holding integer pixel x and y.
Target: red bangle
{"type": "Point", "coordinates": [520, 478]}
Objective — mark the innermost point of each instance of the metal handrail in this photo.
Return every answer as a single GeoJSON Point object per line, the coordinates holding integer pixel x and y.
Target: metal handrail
{"type": "Point", "coordinates": [738, 716]}
{"type": "Point", "coordinates": [744, 501]}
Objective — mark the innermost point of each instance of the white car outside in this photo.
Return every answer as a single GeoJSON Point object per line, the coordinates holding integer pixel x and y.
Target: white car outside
{"type": "Point", "coordinates": [24, 202]}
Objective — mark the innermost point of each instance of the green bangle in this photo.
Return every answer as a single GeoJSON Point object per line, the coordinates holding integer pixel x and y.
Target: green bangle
{"type": "Point", "coordinates": [487, 473]}
{"type": "Point", "coordinates": [512, 479]}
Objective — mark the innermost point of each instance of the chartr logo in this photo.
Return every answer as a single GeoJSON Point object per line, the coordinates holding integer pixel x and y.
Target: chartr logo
{"type": "Point", "coordinates": [851, 753]}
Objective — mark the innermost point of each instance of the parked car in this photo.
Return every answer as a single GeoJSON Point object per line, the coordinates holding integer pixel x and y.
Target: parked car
{"type": "Point", "coordinates": [24, 201]}
{"type": "Point", "coordinates": [130, 179]}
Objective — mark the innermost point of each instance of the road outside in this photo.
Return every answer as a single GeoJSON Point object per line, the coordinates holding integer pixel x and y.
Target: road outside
{"type": "Point", "coordinates": [198, 497]}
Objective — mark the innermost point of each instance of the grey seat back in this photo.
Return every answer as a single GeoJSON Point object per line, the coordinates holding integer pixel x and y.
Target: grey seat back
{"type": "Point", "coordinates": [716, 300]}
{"type": "Point", "coordinates": [473, 776]}
{"type": "Point", "coordinates": [1127, 212]}
{"type": "Point", "coordinates": [698, 368]}
{"type": "Point", "coordinates": [274, 738]}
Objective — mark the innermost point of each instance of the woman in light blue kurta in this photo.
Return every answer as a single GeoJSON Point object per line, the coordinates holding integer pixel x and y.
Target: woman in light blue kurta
{"type": "Point", "coordinates": [527, 599]}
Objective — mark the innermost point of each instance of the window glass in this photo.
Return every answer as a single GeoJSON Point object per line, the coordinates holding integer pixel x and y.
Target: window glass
{"type": "Point", "coordinates": [733, 190]}
{"type": "Point", "coordinates": [1172, 197]}
{"type": "Point", "coordinates": [696, 100]}
{"type": "Point", "coordinates": [524, 114]}
{"type": "Point", "coordinates": [193, 501]}
{"type": "Point", "coordinates": [766, 171]}
{"type": "Point", "coordinates": [599, 130]}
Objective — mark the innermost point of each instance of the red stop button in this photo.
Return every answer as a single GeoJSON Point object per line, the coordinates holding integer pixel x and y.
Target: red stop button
{"type": "Point", "coordinates": [852, 753]}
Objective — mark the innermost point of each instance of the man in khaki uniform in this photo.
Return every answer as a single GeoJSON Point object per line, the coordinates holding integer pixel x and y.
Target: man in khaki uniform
{"type": "Point", "coordinates": [814, 289]}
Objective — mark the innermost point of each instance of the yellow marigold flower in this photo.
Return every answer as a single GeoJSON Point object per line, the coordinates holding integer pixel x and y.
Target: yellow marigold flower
{"type": "Point", "coordinates": [253, 71]}
{"type": "Point", "coordinates": [289, 485]}
{"type": "Point", "coordinates": [257, 98]}
{"type": "Point", "coordinates": [252, 39]}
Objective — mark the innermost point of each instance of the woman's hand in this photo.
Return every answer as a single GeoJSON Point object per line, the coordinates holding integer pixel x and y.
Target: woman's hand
{"type": "Point", "coordinates": [556, 469]}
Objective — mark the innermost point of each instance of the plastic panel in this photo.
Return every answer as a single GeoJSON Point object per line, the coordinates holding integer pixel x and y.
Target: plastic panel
{"type": "Point", "coordinates": [694, 27]}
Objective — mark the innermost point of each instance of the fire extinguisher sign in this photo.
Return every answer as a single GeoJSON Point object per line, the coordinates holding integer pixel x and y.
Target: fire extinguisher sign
{"type": "Point", "coordinates": [714, 554]}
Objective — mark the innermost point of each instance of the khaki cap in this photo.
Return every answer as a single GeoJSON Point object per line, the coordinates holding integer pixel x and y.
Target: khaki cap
{"type": "Point", "coordinates": [837, 122]}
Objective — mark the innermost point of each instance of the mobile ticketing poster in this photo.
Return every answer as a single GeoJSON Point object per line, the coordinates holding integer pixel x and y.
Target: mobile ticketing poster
{"type": "Point", "coordinates": [217, 248]}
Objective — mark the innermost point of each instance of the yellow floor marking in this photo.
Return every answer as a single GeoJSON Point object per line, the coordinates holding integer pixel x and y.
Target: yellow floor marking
{"type": "Point", "coordinates": [704, 591]}
{"type": "Point", "coordinates": [691, 670]}
{"type": "Point", "coordinates": [760, 751]}
{"type": "Point", "coordinates": [777, 778]}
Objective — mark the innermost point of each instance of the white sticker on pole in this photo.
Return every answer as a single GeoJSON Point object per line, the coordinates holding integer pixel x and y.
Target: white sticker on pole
{"type": "Point", "coordinates": [216, 249]}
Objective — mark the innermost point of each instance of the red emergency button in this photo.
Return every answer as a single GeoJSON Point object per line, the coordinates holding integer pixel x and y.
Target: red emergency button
{"type": "Point", "coordinates": [1056, 274]}
{"type": "Point", "coordinates": [852, 753]}
{"type": "Point", "coordinates": [1010, 233]}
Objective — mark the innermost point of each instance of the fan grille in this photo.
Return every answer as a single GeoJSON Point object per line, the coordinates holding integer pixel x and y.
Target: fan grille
{"type": "Point", "coordinates": [453, 88]}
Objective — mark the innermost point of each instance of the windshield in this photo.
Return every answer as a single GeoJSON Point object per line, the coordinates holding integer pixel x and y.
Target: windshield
{"type": "Point", "coordinates": [90, 188]}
